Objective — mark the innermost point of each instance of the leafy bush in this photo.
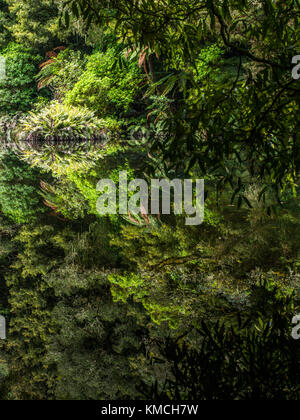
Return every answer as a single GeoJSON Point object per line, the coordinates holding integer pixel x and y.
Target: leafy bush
{"type": "Point", "coordinates": [57, 123]}
{"type": "Point", "coordinates": [105, 86]}
{"type": "Point", "coordinates": [18, 90]}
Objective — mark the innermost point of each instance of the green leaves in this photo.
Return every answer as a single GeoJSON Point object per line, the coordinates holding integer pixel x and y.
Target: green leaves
{"type": "Point", "coordinates": [36, 24]}
{"type": "Point", "coordinates": [105, 87]}
{"type": "Point", "coordinates": [18, 90]}
{"type": "Point", "coordinates": [60, 123]}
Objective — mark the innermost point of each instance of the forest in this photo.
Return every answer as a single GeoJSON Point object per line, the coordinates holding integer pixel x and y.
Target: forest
{"type": "Point", "coordinates": [140, 306]}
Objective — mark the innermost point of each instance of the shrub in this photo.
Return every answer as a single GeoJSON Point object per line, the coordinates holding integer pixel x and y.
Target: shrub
{"type": "Point", "coordinates": [105, 86]}
{"type": "Point", "coordinates": [58, 123]}
{"type": "Point", "coordinates": [18, 90]}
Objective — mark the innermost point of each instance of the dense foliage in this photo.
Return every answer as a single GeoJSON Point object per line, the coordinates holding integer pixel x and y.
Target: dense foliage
{"type": "Point", "coordinates": [18, 90]}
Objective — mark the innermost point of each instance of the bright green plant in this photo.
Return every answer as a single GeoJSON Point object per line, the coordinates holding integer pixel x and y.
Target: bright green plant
{"type": "Point", "coordinates": [105, 86]}
{"type": "Point", "coordinates": [18, 90]}
{"type": "Point", "coordinates": [57, 123]}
